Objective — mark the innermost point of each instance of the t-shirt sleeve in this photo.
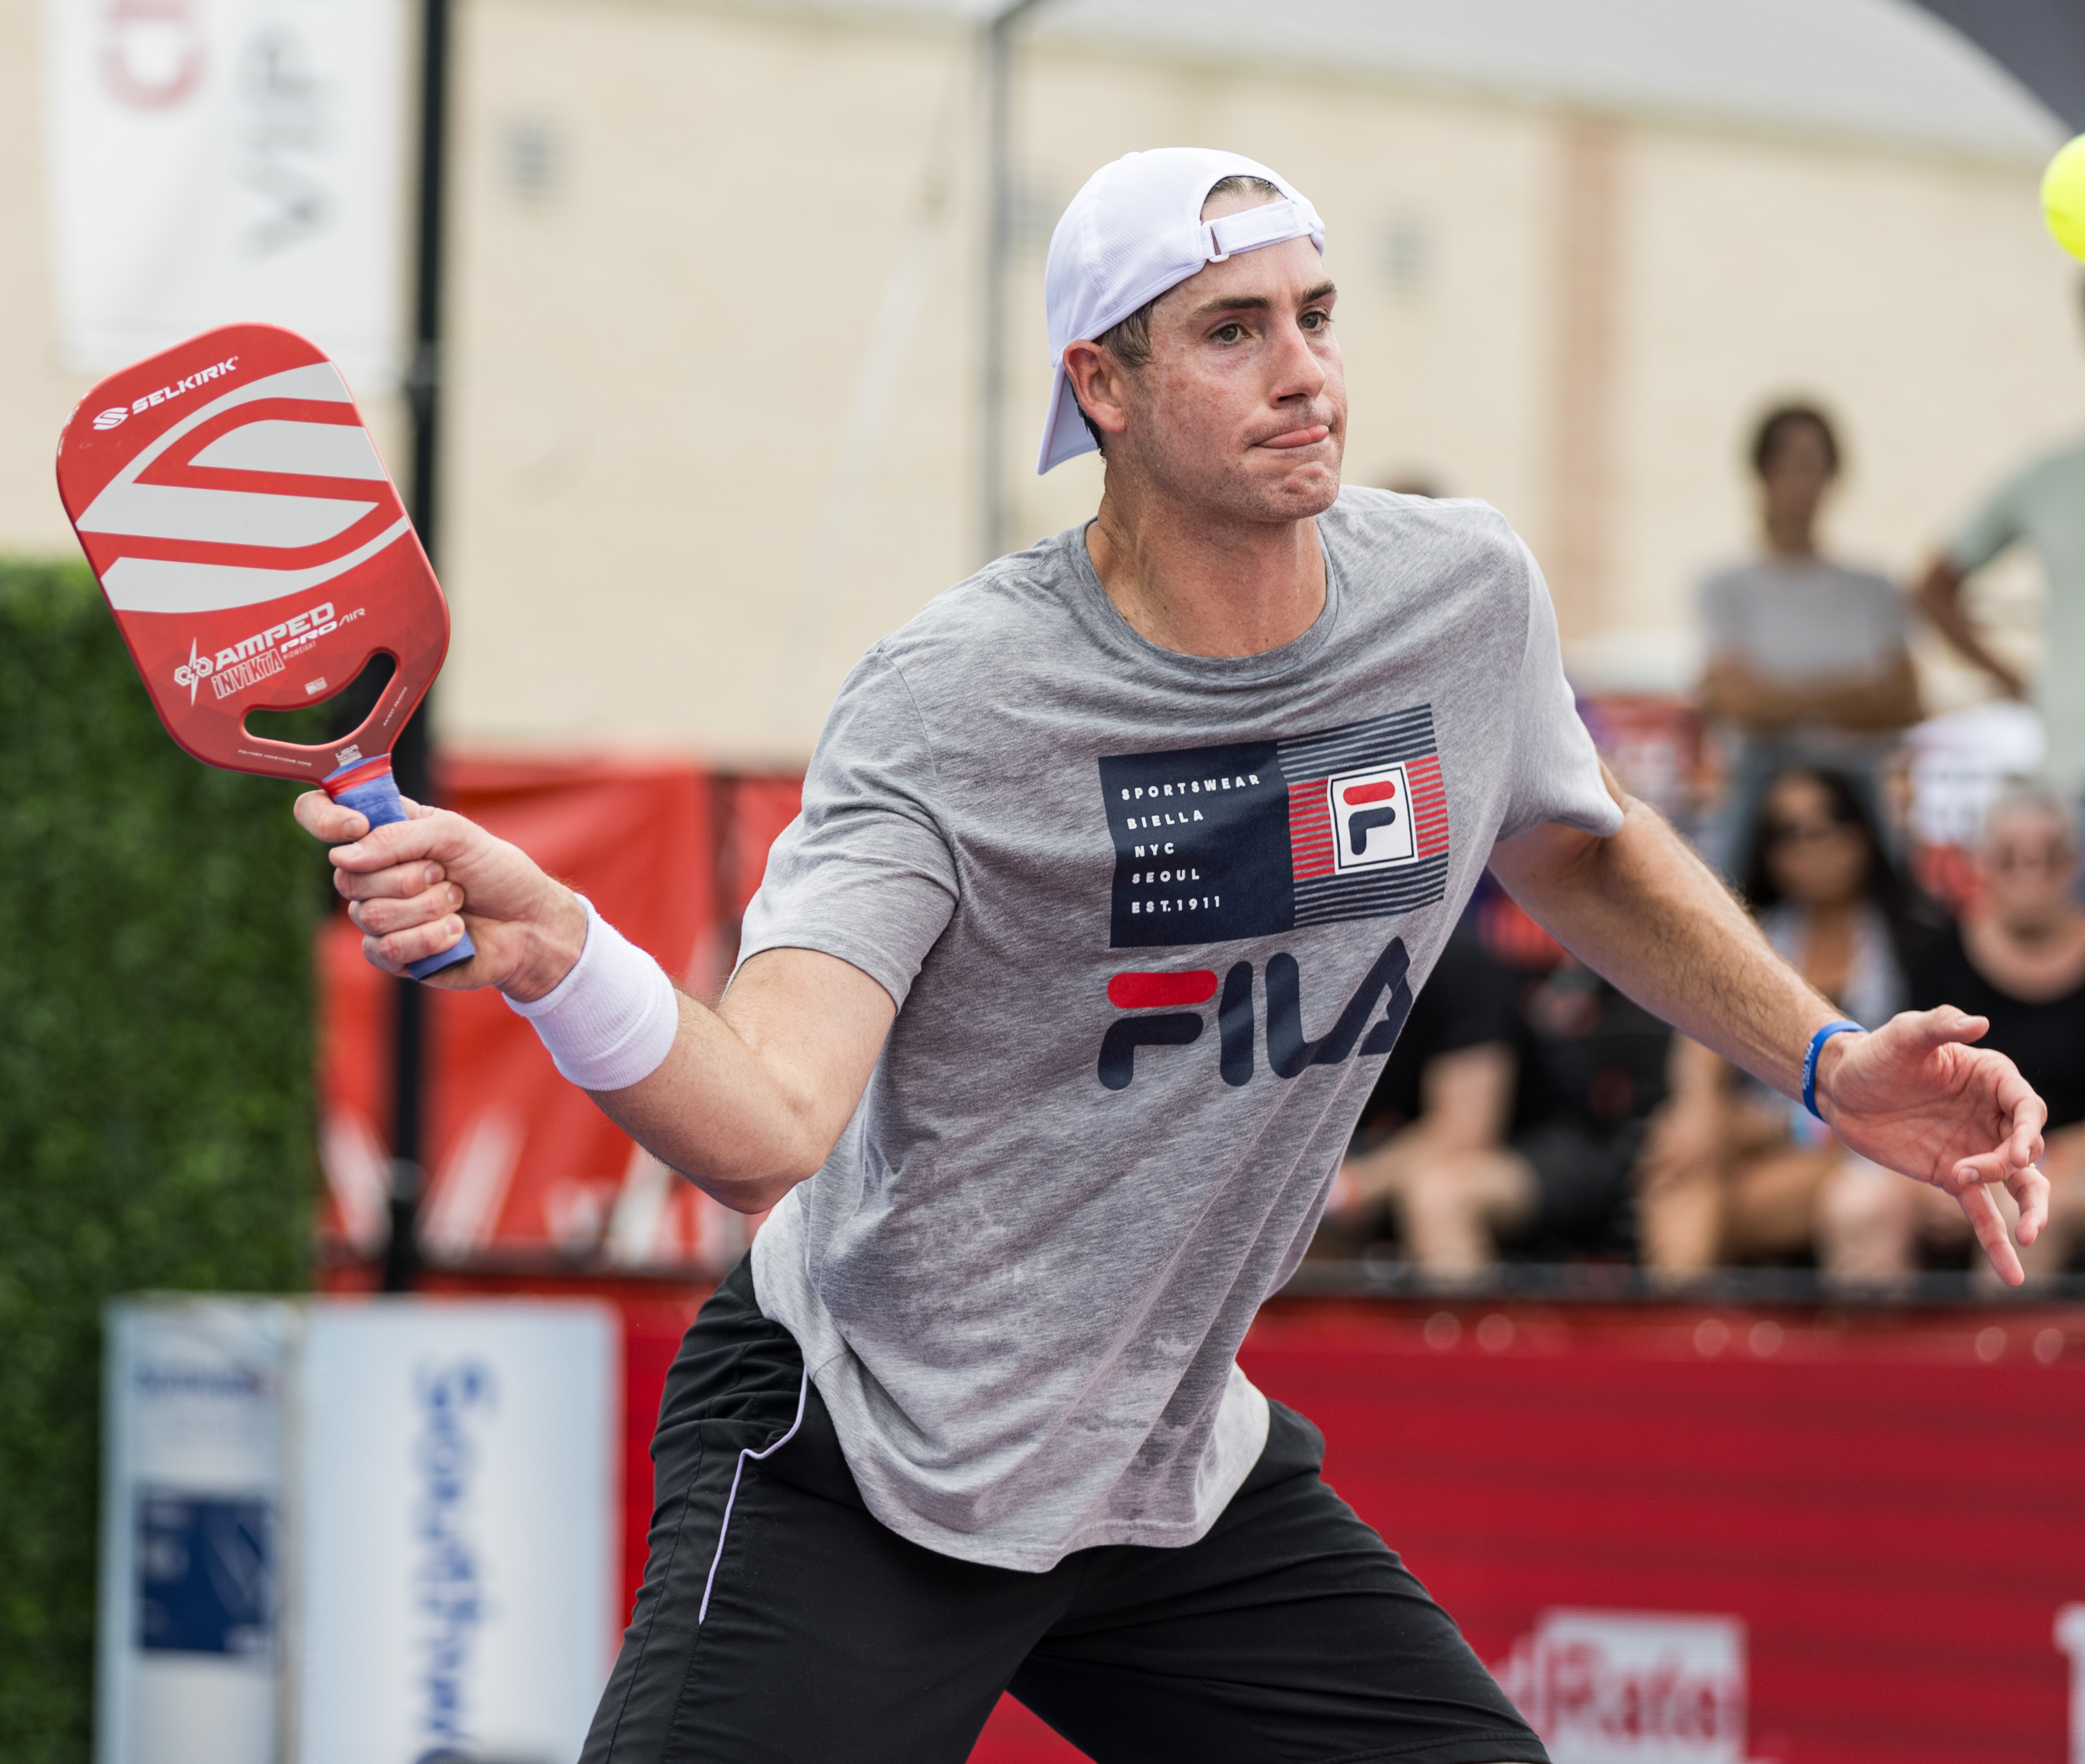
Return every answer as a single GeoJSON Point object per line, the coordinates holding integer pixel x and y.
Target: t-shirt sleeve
{"type": "Point", "coordinates": [1988, 532]}
{"type": "Point", "coordinates": [866, 871]}
{"type": "Point", "coordinates": [1556, 773]}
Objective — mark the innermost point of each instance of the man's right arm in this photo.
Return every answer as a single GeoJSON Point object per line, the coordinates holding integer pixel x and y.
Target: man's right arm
{"type": "Point", "coordinates": [750, 1097]}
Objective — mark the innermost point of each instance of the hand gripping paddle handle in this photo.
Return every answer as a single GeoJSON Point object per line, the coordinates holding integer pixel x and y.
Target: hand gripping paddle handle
{"type": "Point", "coordinates": [368, 788]}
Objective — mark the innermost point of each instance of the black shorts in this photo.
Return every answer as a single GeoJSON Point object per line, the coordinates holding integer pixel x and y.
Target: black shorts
{"type": "Point", "coordinates": [779, 1621]}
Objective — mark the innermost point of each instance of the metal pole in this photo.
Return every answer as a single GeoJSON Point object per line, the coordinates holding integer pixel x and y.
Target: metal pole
{"type": "Point", "coordinates": [993, 521]}
{"type": "Point", "coordinates": [409, 753]}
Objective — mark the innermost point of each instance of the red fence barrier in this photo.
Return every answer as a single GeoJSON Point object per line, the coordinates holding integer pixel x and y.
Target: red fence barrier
{"type": "Point", "coordinates": [1684, 1534]}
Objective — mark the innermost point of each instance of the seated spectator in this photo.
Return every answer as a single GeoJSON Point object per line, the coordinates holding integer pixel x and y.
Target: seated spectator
{"type": "Point", "coordinates": [1734, 1171]}
{"type": "Point", "coordinates": [1532, 1130]}
{"type": "Point", "coordinates": [2017, 957]}
{"type": "Point", "coordinates": [1447, 1087]}
{"type": "Point", "coordinates": [1807, 659]}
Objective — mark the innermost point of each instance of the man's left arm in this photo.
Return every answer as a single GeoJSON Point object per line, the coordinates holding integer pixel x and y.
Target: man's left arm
{"type": "Point", "coordinates": [1641, 908]}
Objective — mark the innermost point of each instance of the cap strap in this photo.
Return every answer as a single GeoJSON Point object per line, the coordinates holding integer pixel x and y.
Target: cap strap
{"type": "Point", "coordinates": [1271, 223]}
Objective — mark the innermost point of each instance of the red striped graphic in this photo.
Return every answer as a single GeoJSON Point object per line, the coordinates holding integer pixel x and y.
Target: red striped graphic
{"type": "Point", "coordinates": [1429, 806]}
{"type": "Point", "coordinates": [1309, 830]}
{"type": "Point", "coordinates": [1358, 794]}
{"type": "Point", "coordinates": [1148, 991]}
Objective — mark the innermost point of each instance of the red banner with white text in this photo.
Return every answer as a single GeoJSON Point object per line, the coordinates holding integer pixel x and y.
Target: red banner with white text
{"type": "Point", "coordinates": [521, 1166]}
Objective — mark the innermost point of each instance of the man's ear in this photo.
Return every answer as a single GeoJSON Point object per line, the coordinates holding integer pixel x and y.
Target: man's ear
{"type": "Point", "coordinates": [1096, 377]}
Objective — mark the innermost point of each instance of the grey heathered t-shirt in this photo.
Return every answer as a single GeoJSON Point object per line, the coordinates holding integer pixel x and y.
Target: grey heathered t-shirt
{"type": "Point", "coordinates": [1152, 921]}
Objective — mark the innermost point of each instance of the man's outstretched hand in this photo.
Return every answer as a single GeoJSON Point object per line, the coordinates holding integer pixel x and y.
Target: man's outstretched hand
{"type": "Point", "coordinates": [413, 886]}
{"type": "Point", "coordinates": [1915, 1097]}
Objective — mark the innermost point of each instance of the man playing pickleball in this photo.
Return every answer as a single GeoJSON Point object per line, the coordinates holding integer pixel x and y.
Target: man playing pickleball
{"type": "Point", "coordinates": [1117, 870]}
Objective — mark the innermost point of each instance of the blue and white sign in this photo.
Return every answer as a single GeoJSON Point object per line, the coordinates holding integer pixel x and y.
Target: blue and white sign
{"type": "Point", "coordinates": [190, 1556]}
{"type": "Point", "coordinates": [456, 1588]}
{"type": "Point", "coordinates": [377, 1532]}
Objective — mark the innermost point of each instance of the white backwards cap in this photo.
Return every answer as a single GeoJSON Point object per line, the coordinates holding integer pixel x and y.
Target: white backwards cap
{"type": "Point", "coordinates": [1133, 231]}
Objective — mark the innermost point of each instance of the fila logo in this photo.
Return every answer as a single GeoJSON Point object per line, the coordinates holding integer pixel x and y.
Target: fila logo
{"type": "Point", "coordinates": [1160, 1016]}
{"type": "Point", "coordinates": [1373, 813]}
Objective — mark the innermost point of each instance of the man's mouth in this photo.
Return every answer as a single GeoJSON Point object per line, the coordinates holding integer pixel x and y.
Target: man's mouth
{"type": "Point", "coordinates": [1306, 437]}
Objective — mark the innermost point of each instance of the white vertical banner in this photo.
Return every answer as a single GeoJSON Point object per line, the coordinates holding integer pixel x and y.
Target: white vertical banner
{"type": "Point", "coordinates": [455, 1593]}
{"type": "Point", "coordinates": [191, 1565]}
{"type": "Point", "coordinates": [214, 161]}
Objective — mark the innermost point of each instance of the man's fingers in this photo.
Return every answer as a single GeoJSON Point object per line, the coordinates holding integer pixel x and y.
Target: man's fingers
{"type": "Point", "coordinates": [393, 953]}
{"type": "Point", "coordinates": [1938, 1027]}
{"type": "Point", "coordinates": [400, 882]}
{"type": "Point", "coordinates": [2030, 1114]}
{"type": "Point", "coordinates": [1989, 1225]}
{"type": "Point", "coordinates": [381, 917]}
{"type": "Point", "coordinates": [323, 818]}
{"type": "Point", "coordinates": [427, 833]}
{"type": "Point", "coordinates": [2029, 1188]}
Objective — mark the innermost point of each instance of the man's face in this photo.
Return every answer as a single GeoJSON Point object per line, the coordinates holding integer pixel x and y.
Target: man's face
{"type": "Point", "coordinates": [1242, 407]}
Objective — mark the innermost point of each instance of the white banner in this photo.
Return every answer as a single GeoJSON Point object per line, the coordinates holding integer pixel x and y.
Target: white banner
{"type": "Point", "coordinates": [213, 161]}
{"type": "Point", "coordinates": [455, 1590]}
{"type": "Point", "coordinates": [190, 1554]}
{"type": "Point", "coordinates": [346, 1533]}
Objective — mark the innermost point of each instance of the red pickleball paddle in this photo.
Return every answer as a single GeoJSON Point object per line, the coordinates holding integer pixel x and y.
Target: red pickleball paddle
{"type": "Point", "coordinates": [255, 556]}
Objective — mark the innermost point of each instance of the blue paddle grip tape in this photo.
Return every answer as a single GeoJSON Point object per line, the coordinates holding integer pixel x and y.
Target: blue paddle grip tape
{"type": "Point", "coordinates": [379, 802]}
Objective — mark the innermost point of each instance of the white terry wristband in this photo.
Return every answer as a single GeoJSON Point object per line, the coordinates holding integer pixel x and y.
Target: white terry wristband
{"type": "Point", "coordinates": [610, 1022]}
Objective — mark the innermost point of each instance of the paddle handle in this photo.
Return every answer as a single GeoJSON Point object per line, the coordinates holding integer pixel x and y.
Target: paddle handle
{"type": "Point", "coordinates": [367, 787]}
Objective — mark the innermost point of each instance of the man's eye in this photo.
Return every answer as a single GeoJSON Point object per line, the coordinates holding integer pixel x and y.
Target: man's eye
{"type": "Point", "coordinates": [1316, 321]}
{"type": "Point", "coordinates": [1229, 333]}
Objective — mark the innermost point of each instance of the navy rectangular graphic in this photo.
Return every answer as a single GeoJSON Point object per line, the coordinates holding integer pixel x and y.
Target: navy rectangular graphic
{"type": "Point", "coordinates": [1256, 837]}
{"type": "Point", "coordinates": [204, 1585]}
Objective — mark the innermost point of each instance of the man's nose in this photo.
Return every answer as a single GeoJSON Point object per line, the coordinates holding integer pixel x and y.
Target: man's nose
{"type": "Point", "coordinates": [1297, 371]}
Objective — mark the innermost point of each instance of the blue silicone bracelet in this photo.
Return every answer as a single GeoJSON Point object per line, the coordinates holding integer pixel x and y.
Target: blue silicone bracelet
{"type": "Point", "coordinates": [1810, 1059]}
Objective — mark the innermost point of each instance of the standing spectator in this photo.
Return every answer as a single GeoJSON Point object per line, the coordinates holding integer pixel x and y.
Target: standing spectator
{"type": "Point", "coordinates": [1733, 1171]}
{"type": "Point", "coordinates": [2018, 957]}
{"type": "Point", "coordinates": [1807, 659]}
{"type": "Point", "coordinates": [2044, 505]}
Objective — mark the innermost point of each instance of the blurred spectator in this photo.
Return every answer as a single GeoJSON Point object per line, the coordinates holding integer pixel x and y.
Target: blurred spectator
{"type": "Point", "coordinates": [1734, 1171]}
{"type": "Point", "coordinates": [1447, 1088]}
{"type": "Point", "coordinates": [2044, 504]}
{"type": "Point", "coordinates": [1807, 657]}
{"type": "Point", "coordinates": [2018, 957]}
{"type": "Point", "coordinates": [1530, 1133]}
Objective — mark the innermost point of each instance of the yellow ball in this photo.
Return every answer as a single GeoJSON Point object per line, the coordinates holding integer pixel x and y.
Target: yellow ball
{"type": "Point", "coordinates": [2063, 196]}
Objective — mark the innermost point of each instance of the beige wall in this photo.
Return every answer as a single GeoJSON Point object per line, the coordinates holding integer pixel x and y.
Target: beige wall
{"type": "Point", "coordinates": [1595, 309]}
{"type": "Point", "coordinates": [36, 395]}
{"type": "Point", "coordinates": [654, 359]}
{"type": "Point", "coordinates": [658, 342]}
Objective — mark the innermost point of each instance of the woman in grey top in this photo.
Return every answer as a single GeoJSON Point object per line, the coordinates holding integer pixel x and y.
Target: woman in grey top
{"type": "Point", "coordinates": [1807, 660]}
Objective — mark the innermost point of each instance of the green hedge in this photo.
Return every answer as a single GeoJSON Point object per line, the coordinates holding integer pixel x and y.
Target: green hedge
{"type": "Point", "coordinates": [156, 1086]}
